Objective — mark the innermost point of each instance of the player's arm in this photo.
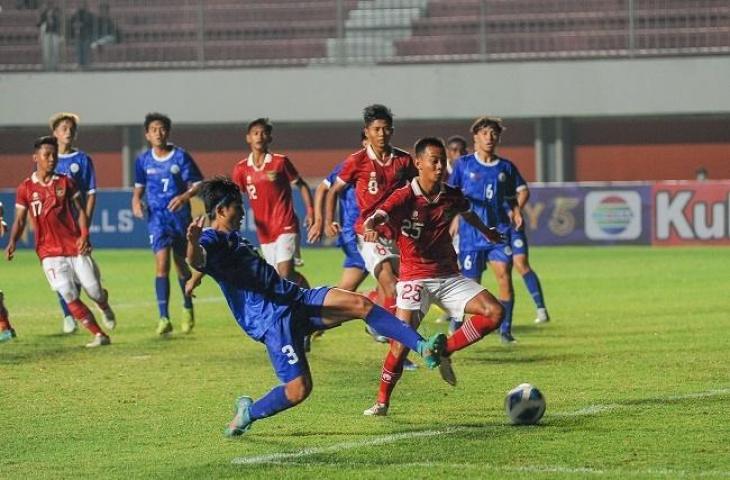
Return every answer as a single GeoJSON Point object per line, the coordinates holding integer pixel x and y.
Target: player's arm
{"type": "Point", "coordinates": [370, 234]}
{"type": "Point", "coordinates": [193, 282]}
{"type": "Point", "coordinates": [137, 208]}
{"type": "Point", "coordinates": [332, 228]}
{"type": "Point", "coordinates": [307, 199]}
{"type": "Point", "coordinates": [21, 216]}
{"type": "Point", "coordinates": [473, 219]}
{"type": "Point", "coordinates": [90, 189]}
{"type": "Point", "coordinates": [315, 230]}
{"type": "Point", "coordinates": [195, 254]}
{"type": "Point", "coordinates": [3, 225]}
{"type": "Point", "coordinates": [523, 195]}
{"type": "Point", "coordinates": [90, 205]}
{"type": "Point", "coordinates": [82, 243]}
{"type": "Point", "coordinates": [179, 201]}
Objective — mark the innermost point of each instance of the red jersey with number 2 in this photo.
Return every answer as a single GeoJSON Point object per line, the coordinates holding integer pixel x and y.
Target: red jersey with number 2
{"type": "Point", "coordinates": [269, 192]}
{"type": "Point", "coordinates": [374, 180]}
{"type": "Point", "coordinates": [422, 226]}
{"type": "Point", "coordinates": [51, 212]}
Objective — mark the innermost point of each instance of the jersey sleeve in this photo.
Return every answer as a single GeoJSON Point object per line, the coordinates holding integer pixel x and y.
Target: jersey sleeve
{"type": "Point", "coordinates": [21, 196]}
{"type": "Point", "coordinates": [520, 183]}
{"type": "Point", "coordinates": [190, 171]}
{"type": "Point", "coordinates": [290, 170]}
{"type": "Point", "coordinates": [349, 170]}
{"type": "Point", "coordinates": [332, 177]}
{"type": "Point", "coordinates": [461, 203]}
{"type": "Point", "coordinates": [89, 177]}
{"type": "Point", "coordinates": [455, 178]}
{"type": "Point", "coordinates": [237, 177]}
{"type": "Point", "coordinates": [140, 175]}
{"type": "Point", "coordinates": [396, 206]}
{"type": "Point", "coordinates": [213, 250]}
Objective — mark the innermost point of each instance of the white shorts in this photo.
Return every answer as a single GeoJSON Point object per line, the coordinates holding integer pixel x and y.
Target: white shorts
{"type": "Point", "coordinates": [375, 253]}
{"type": "Point", "coordinates": [281, 250]}
{"type": "Point", "coordinates": [63, 273]}
{"type": "Point", "coordinates": [450, 293]}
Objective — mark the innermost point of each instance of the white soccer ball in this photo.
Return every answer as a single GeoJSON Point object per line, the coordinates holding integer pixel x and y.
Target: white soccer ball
{"type": "Point", "coordinates": [524, 404]}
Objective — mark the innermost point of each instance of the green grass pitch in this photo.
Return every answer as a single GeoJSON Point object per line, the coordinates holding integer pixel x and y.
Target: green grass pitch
{"type": "Point", "coordinates": [634, 367]}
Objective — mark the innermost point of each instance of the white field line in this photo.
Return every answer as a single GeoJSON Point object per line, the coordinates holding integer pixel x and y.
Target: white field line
{"type": "Point", "coordinates": [274, 458]}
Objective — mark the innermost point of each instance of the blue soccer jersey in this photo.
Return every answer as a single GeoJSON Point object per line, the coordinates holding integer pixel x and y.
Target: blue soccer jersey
{"type": "Point", "coordinates": [487, 185]}
{"type": "Point", "coordinates": [79, 166]}
{"type": "Point", "coordinates": [349, 211]}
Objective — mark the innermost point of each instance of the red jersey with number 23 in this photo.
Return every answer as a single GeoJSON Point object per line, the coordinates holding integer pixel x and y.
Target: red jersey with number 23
{"type": "Point", "coordinates": [422, 226]}
{"type": "Point", "coordinates": [374, 180]}
{"type": "Point", "coordinates": [51, 211]}
{"type": "Point", "coordinates": [269, 192]}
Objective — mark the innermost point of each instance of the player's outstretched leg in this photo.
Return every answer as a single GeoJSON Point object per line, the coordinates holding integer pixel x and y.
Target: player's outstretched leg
{"type": "Point", "coordinates": [532, 282]}
{"type": "Point", "coordinates": [188, 313]}
{"type": "Point", "coordinates": [6, 330]}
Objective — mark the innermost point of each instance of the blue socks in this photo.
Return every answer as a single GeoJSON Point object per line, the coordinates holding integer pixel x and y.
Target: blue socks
{"type": "Point", "coordinates": [270, 404]}
{"type": "Point", "coordinates": [533, 286]}
{"type": "Point", "coordinates": [64, 307]}
{"type": "Point", "coordinates": [507, 322]}
{"type": "Point", "coordinates": [188, 301]}
{"type": "Point", "coordinates": [389, 326]}
{"type": "Point", "coordinates": [162, 290]}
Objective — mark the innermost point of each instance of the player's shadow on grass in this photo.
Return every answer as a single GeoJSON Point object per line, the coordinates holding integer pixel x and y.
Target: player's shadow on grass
{"type": "Point", "coordinates": [510, 357]}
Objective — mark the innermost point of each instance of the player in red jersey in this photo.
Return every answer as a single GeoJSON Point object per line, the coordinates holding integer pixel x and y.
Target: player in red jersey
{"type": "Point", "coordinates": [420, 213]}
{"type": "Point", "coordinates": [62, 241]}
{"type": "Point", "coordinates": [375, 171]}
{"type": "Point", "coordinates": [267, 179]}
{"type": "Point", "coordinates": [7, 332]}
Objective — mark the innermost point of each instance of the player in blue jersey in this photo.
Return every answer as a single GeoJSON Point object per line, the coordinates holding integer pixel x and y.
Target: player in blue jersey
{"type": "Point", "coordinates": [488, 181]}
{"type": "Point", "coordinates": [274, 311]}
{"type": "Point", "coordinates": [168, 178]}
{"type": "Point", "coordinates": [78, 165]}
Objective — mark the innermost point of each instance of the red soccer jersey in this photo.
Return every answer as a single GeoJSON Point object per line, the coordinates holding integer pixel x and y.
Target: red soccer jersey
{"type": "Point", "coordinates": [422, 227]}
{"type": "Point", "coordinates": [51, 211]}
{"type": "Point", "coordinates": [374, 181]}
{"type": "Point", "coordinates": [269, 192]}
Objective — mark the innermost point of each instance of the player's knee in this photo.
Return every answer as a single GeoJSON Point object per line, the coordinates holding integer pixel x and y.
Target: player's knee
{"type": "Point", "coordinates": [361, 305]}
{"type": "Point", "coordinates": [68, 293]}
{"type": "Point", "coordinates": [95, 292]}
{"type": "Point", "coordinates": [298, 390]}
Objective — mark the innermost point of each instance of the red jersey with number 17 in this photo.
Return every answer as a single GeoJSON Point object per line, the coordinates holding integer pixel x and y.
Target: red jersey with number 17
{"type": "Point", "coordinates": [269, 192]}
{"type": "Point", "coordinates": [422, 226]}
{"type": "Point", "coordinates": [51, 211]}
{"type": "Point", "coordinates": [375, 180]}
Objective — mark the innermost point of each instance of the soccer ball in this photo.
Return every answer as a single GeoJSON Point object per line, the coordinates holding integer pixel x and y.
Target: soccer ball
{"type": "Point", "coordinates": [524, 404]}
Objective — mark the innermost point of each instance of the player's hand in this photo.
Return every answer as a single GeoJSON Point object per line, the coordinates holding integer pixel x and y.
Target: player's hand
{"type": "Point", "coordinates": [177, 203]}
{"type": "Point", "coordinates": [333, 229]}
{"type": "Point", "coordinates": [83, 245]}
{"type": "Point", "coordinates": [137, 210]}
{"type": "Point", "coordinates": [517, 220]}
{"type": "Point", "coordinates": [10, 250]}
{"type": "Point", "coordinates": [192, 283]}
{"type": "Point", "coordinates": [370, 235]}
{"type": "Point", "coordinates": [494, 236]}
{"type": "Point", "coordinates": [314, 234]}
{"type": "Point", "coordinates": [195, 229]}
{"type": "Point", "coordinates": [3, 228]}
{"type": "Point", "coordinates": [308, 220]}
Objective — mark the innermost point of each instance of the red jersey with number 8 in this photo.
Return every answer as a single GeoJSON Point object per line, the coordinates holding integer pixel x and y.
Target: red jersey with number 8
{"type": "Point", "coordinates": [422, 229]}
{"type": "Point", "coordinates": [52, 214]}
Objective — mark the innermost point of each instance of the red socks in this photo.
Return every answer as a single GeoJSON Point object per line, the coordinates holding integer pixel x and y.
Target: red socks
{"type": "Point", "coordinates": [389, 304]}
{"type": "Point", "coordinates": [81, 313]}
{"type": "Point", "coordinates": [392, 370]}
{"type": "Point", "coordinates": [472, 330]}
{"type": "Point", "coordinates": [4, 321]}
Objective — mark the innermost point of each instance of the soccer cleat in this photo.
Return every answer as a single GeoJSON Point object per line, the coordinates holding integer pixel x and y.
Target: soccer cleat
{"type": "Point", "coordinates": [241, 420]}
{"type": "Point", "coordinates": [308, 343]}
{"type": "Point", "coordinates": [164, 327]}
{"type": "Point", "coordinates": [447, 371]}
{"type": "Point", "coordinates": [377, 410]}
{"type": "Point", "coordinates": [7, 335]}
{"type": "Point", "coordinates": [432, 349]}
{"type": "Point", "coordinates": [188, 321]}
{"type": "Point", "coordinates": [542, 316]}
{"type": "Point", "coordinates": [454, 324]}
{"type": "Point", "coordinates": [108, 318]}
{"type": "Point", "coordinates": [409, 366]}
{"type": "Point", "coordinates": [507, 338]}
{"type": "Point", "coordinates": [376, 336]}
{"type": "Point", "coordinates": [99, 341]}
{"type": "Point", "coordinates": [69, 324]}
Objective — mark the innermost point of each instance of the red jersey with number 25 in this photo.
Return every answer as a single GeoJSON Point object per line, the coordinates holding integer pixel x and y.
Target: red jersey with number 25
{"type": "Point", "coordinates": [422, 228]}
{"type": "Point", "coordinates": [374, 180]}
{"type": "Point", "coordinates": [51, 211]}
{"type": "Point", "coordinates": [269, 192]}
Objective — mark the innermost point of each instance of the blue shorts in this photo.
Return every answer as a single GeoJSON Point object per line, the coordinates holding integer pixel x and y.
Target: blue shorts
{"type": "Point", "coordinates": [168, 230]}
{"type": "Point", "coordinates": [518, 242]}
{"type": "Point", "coordinates": [474, 262]}
{"type": "Point", "coordinates": [353, 259]}
{"type": "Point", "coordinates": [284, 340]}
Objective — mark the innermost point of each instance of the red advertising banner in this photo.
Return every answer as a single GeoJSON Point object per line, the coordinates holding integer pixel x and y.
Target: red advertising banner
{"type": "Point", "coordinates": [691, 213]}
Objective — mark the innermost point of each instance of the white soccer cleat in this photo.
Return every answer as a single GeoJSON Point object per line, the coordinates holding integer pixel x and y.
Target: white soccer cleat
{"type": "Point", "coordinates": [542, 316]}
{"type": "Point", "coordinates": [99, 341]}
{"type": "Point", "coordinates": [69, 324]}
{"type": "Point", "coordinates": [447, 371]}
{"type": "Point", "coordinates": [109, 319]}
{"type": "Point", "coordinates": [377, 410]}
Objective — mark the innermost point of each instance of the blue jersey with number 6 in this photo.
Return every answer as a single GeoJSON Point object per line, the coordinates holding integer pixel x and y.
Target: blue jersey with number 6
{"type": "Point", "coordinates": [487, 185]}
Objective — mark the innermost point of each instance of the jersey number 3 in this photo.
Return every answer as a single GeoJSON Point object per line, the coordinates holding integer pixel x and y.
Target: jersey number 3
{"type": "Point", "coordinates": [288, 350]}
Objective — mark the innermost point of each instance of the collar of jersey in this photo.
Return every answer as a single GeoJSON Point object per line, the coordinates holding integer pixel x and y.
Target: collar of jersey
{"type": "Point", "coordinates": [165, 158]}
{"type": "Point", "coordinates": [267, 159]}
{"type": "Point", "coordinates": [486, 164]}
{"type": "Point", "coordinates": [371, 155]}
{"type": "Point", "coordinates": [416, 187]}
{"type": "Point", "coordinates": [69, 155]}
{"type": "Point", "coordinates": [34, 178]}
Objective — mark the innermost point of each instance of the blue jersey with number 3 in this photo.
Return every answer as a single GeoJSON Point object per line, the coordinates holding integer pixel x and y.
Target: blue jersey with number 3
{"type": "Point", "coordinates": [488, 185]}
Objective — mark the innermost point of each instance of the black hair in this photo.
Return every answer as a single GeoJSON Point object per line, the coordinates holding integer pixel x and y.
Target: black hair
{"type": "Point", "coordinates": [263, 122]}
{"type": "Point", "coordinates": [487, 122]}
{"type": "Point", "coordinates": [457, 139]}
{"type": "Point", "coordinates": [377, 112]}
{"type": "Point", "coordinates": [219, 191]}
{"type": "Point", "coordinates": [157, 117]}
{"type": "Point", "coordinates": [45, 140]}
{"type": "Point", "coordinates": [426, 142]}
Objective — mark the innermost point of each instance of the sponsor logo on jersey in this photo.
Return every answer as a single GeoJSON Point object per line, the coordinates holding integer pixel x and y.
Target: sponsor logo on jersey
{"type": "Point", "coordinates": [271, 176]}
{"type": "Point", "coordinates": [613, 215]}
{"type": "Point", "coordinates": [151, 171]}
{"type": "Point", "coordinates": [60, 191]}
{"type": "Point", "coordinates": [175, 169]}
{"type": "Point", "coordinates": [502, 177]}
{"type": "Point", "coordinates": [74, 167]}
